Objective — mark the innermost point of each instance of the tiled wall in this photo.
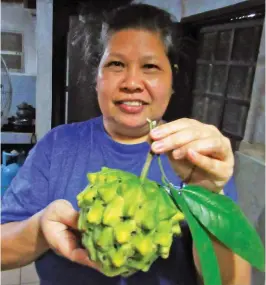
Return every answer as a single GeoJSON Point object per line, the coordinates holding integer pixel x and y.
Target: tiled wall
{"type": "Point", "coordinates": [23, 276]}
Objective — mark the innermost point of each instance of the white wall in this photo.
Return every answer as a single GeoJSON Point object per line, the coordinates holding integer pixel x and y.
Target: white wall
{"type": "Point", "coordinates": [44, 34]}
{"type": "Point", "coordinates": [192, 7]}
{"type": "Point", "coordinates": [256, 115]}
{"type": "Point", "coordinates": [172, 6]}
{"type": "Point", "coordinates": [185, 8]}
{"type": "Point", "coordinates": [15, 18]}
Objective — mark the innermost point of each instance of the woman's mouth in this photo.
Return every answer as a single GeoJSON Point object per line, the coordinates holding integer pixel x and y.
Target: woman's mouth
{"type": "Point", "coordinates": [131, 107]}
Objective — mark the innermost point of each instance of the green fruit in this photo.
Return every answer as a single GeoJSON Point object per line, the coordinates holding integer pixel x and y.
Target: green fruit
{"type": "Point", "coordinates": [118, 258]}
{"type": "Point", "coordinates": [114, 212]}
{"type": "Point", "coordinates": [123, 231]}
{"type": "Point", "coordinates": [108, 191]}
{"type": "Point", "coordinates": [106, 238]}
{"type": "Point", "coordinates": [88, 243]}
{"type": "Point", "coordinates": [164, 227]}
{"type": "Point", "coordinates": [87, 196]}
{"type": "Point", "coordinates": [163, 239]}
{"type": "Point", "coordinates": [144, 245]}
{"type": "Point", "coordinates": [133, 197]}
{"type": "Point", "coordinates": [176, 229]}
{"type": "Point", "coordinates": [126, 223]}
{"type": "Point", "coordinates": [147, 215]}
{"type": "Point", "coordinates": [104, 259]}
{"type": "Point", "coordinates": [95, 213]}
{"type": "Point", "coordinates": [166, 207]}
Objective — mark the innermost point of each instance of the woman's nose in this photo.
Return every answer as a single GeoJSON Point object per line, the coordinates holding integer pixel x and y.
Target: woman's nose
{"type": "Point", "coordinates": [132, 81]}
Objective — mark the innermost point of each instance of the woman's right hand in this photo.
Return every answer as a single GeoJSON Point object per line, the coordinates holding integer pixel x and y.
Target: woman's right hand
{"type": "Point", "coordinates": [58, 221]}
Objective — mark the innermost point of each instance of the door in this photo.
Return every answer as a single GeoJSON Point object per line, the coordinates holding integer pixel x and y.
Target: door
{"type": "Point", "coordinates": [224, 75]}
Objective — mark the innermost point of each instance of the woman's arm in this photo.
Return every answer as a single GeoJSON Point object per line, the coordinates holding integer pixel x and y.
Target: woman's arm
{"type": "Point", "coordinates": [22, 242]}
{"type": "Point", "coordinates": [234, 270]}
{"type": "Point", "coordinates": [51, 228]}
{"type": "Point", "coordinates": [190, 143]}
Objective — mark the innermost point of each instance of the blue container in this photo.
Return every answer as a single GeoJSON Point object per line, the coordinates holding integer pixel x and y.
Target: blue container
{"type": "Point", "coordinates": [9, 171]}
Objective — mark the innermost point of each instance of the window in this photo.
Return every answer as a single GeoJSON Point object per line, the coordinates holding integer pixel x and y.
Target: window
{"type": "Point", "coordinates": [224, 76]}
{"type": "Point", "coordinates": [12, 51]}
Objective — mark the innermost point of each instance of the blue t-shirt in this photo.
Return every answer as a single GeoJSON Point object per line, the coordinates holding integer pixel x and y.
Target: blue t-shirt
{"type": "Point", "coordinates": [56, 168]}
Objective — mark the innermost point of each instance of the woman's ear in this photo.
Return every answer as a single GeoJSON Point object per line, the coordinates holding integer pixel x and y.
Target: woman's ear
{"type": "Point", "coordinates": [96, 84]}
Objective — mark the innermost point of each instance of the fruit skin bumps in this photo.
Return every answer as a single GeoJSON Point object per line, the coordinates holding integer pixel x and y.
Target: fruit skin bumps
{"type": "Point", "coordinates": [126, 223]}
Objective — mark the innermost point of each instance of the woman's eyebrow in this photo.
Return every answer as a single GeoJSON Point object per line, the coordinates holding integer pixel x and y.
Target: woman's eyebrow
{"type": "Point", "coordinates": [145, 57]}
{"type": "Point", "coordinates": [116, 54]}
{"type": "Point", "coordinates": [149, 57]}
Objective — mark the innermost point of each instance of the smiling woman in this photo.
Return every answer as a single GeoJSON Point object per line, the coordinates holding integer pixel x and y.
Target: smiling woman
{"type": "Point", "coordinates": [134, 84]}
{"type": "Point", "coordinates": [133, 79]}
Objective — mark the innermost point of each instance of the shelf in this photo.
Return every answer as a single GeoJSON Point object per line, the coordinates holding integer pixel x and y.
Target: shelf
{"type": "Point", "coordinates": [16, 138]}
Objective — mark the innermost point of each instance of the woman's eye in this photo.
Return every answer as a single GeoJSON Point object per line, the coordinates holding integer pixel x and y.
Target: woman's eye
{"type": "Point", "coordinates": [115, 64]}
{"type": "Point", "coordinates": [151, 66]}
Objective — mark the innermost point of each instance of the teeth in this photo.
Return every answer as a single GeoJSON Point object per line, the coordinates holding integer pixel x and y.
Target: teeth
{"type": "Point", "coordinates": [132, 103]}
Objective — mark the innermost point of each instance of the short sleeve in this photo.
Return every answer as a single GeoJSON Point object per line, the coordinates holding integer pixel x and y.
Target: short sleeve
{"type": "Point", "coordinates": [230, 189]}
{"type": "Point", "coordinates": [28, 191]}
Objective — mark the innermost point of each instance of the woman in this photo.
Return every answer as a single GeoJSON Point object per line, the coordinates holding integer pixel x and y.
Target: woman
{"type": "Point", "coordinates": [133, 83]}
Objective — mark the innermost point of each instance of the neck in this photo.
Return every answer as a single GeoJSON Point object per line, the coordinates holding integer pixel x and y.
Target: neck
{"type": "Point", "coordinates": [126, 135]}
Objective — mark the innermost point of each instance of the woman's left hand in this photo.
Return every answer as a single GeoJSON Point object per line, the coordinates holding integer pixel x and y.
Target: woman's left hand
{"type": "Point", "coordinates": [194, 146]}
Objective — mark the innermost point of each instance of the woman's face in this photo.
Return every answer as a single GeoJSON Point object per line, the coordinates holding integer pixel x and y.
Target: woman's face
{"type": "Point", "coordinates": [134, 80]}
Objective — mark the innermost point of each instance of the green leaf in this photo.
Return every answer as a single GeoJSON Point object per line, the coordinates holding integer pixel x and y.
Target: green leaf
{"type": "Point", "coordinates": [208, 261]}
{"type": "Point", "coordinates": [226, 221]}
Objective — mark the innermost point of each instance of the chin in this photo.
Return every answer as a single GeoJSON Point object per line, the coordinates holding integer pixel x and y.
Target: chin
{"type": "Point", "coordinates": [133, 122]}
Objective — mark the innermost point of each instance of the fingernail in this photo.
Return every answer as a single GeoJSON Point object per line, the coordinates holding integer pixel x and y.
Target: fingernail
{"type": "Point", "coordinates": [178, 154]}
{"type": "Point", "coordinates": [157, 146]}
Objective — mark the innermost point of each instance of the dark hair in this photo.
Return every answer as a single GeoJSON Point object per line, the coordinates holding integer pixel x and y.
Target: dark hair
{"type": "Point", "coordinates": [92, 28]}
{"type": "Point", "coordinates": [97, 29]}
{"type": "Point", "coordinates": [142, 17]}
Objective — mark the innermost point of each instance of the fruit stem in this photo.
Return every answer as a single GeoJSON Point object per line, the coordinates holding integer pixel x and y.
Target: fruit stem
{"type": "Point", "coordinates": [146, 166]}
{"type": "Point", "coordinates": [149, 157]}
{"type": "Point", "coordinates": [164, 177]}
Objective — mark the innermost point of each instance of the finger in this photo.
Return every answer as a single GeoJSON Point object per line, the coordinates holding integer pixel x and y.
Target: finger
{"type": "Point", "coordinates": [65, 242]}
{"type": "Point", "coordinates": [65, 214]}
{"type": "Point", "coordinates": [80, 255]}
{"type": "Point", "coordinates": [67, 247]}
{"type": "Point", "coordinates": [212, 166]}
{"type": "Point", "coordinates": [172, 127]}
{"type": "Point", "coordinates": [212, 147]}
{"type": "Point", "coordinates": [179, 139]}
